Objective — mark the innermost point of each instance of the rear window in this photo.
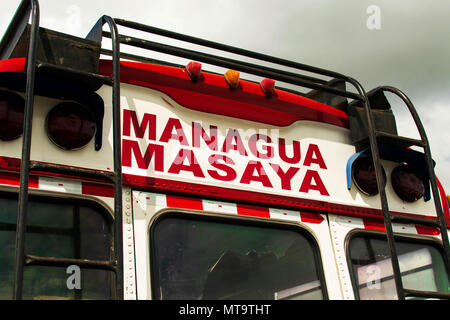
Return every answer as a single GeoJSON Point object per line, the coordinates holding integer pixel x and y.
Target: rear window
{"type": "Point", "coordinates": [202, 258]}
{"type": "Point", "coordinates": [56, 228]}
{"type": "Point", "coordinates": [421, 265]}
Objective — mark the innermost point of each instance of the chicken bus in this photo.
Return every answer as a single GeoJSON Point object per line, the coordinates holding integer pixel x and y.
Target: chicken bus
{"type": "Point", "coordinates": [127, 177]}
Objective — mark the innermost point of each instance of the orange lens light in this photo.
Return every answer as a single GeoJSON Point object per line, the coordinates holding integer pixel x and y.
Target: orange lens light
{"type": "Point", "coordinates": [232, 78]}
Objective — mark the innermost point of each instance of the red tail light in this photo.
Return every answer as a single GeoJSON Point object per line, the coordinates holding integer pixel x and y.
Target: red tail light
{"type": "Point", "coordinates": [268, 87]}
{"type": "Point", "coordinates": [194, 70]}
{"type": "Point", "coordinates": [407, 183]}
{"type": "Point", "coordinates": [70, 125]}
{"type": "Point", "coordinates": [11, 115]}
{"type": "Point", "coordinates": [363, 172]}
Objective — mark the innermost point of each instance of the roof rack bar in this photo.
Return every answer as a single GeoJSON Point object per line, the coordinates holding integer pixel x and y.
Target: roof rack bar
{"type": "Point", "coordinates": [137, 58]}
{"type": "Point", "coordinates": [15, 29]}
{"type": "Point", "coordinates": [227, 48]}
{"type": "Point", "coordinates": [232, 64]}
{"type": "Point", "coordinates": [287, 73]}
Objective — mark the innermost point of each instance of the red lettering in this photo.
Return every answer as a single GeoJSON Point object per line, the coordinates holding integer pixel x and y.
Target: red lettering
{"type": "Point", "coordinates": [168, 134]}
{"type": "Point", "coordinates": [307, 184]}
{"type": "Point", "coordinates": [230, 173]}
{"type": "Point", "coordinates": [268, 150]}
{"type": "Point", "coordinates": [192, 166]}
{"type": "Point", "coordinates": [148, 121]}
{"type": "Point", "coordinates": [228, 144]}
{"type": "Point", "coordinates": [210, 140]}
{"type": "Point", "coordinates": [285, 177]}
{"type": "Point", "coordinates": [130, 147]}
{"type": "Point", "coordinates": [261, 175]}
{"type": "Point", "coordinates": [296, 156]}
{"type": "Point", "coordinates": [313, 155]}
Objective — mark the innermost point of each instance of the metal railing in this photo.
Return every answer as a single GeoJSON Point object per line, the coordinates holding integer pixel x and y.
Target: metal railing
{"type": "Point", "coordinates": [293, 78]}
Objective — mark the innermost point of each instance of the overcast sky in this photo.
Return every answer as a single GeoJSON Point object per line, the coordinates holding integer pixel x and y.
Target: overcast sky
{"type": "Point", "coordinates": [403, 43]}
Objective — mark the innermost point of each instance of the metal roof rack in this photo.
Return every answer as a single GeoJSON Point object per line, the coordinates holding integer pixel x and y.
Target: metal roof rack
{"type": "Point", "coordinates": [19, 25]}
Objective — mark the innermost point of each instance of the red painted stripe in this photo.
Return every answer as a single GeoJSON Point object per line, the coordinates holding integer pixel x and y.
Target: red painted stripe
{"type": "Point", "coordinates": [14, 65]}
{"type": "Point", "coordinates": [311, 217]}
{"type": "Point", "coordinates": [184, 203]}
{"type": "Point", "coordinates": [96, 189]}
{"type": "Point", "coordinates": [13, 179]}
{"type": "Point", "coordinates": [213, 95]}
{"type": "Point", "coordinates": [425, 230]}
{"type": "Point", "coordinates": [266, 199]}
{"type": "Point", "coordinates": [373, 224]}
{"type": "Point", "coordinates": [247, 210]}
{"type": "Point", "coordinates": [445, 206]}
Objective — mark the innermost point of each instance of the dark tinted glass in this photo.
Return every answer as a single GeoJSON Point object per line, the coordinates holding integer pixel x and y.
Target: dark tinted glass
{"type": "Point", "coordinates": [61, 230]}
{"type": "Point", "coordinates": [207, 259]}
{"type": "Point", "coordinates": [421, 265]}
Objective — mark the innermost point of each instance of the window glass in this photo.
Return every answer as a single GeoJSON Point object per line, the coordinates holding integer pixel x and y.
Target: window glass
{"type": "Point", "coordinates": [56, 229]}
{"type": "Point", "coordinates": [421, 265]}
{"type": "Point", "coordinates": [210, 259]}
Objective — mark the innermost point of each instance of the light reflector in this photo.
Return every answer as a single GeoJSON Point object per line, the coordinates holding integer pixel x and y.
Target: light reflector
{"type": "Point", "coordinates": [70, 125]}
{"type": "Point", "coordinates": [194, 70]}
{"type": "Point", "coordinates": [407, 183]}
{"type": "Point", "coordinates": [363, 172]}
{"type": "Point", "coordinates": [232, 78]}
{"type": "Point", "coordinates": [268, 87]}
{"type": "Point", "coordinates": [12, 108]}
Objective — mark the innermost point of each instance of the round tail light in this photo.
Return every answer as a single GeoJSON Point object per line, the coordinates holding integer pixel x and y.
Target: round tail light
{"type": "Point", "coordinates": [363, 173]}
{"type": "Point", "coordinates": [407, 183]}
{"type": "Point", "coordinates": [70, 125]}
{"type": "Point", "coordinates": [12, 108]}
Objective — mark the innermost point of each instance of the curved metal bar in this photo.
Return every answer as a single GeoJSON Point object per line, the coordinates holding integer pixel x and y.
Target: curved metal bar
{"type": "Point", "coordinates": [381, 190]}
{"type": "Point", "coordinates": [26, 148]}
{"type": "Point", "coordinates": [118, 243]}
{"type": "Point", "coordinates": [349, 167]}
{"type": "Point", "coordinates": [223, 47]}
{"type": "Point", "coordinates": [430, 168]}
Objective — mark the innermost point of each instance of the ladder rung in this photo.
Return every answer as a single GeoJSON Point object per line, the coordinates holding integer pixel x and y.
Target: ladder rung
{"type": "Point", "coordinates": [65, 262]}
{"type": "Point", "coordinates": [389, 138]}
{"type": "Point", "coordinates": [420, 221]}
{"type": "Point", "coordinates": [426, 294]}
{"type": "Point", "coordinates": [82, 74]}
{"type": "Point", "coordinates": [78, 172]}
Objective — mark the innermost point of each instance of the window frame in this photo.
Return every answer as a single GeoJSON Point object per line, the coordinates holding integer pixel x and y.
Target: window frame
{"type": "Point", "coordinates": [417, 239]}
{"type": "Point", "coordinates": [45, 196]}
{"type": "Point", "coordinates": [231, 219]}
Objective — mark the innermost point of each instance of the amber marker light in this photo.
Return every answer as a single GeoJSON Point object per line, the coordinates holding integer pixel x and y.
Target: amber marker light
{"type": "Point", "coordinates": [232, 78]}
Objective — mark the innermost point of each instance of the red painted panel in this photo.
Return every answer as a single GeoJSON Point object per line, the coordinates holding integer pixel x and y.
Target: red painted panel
{"type": "Point", "coordinates": [13, 179]}
{"type": "Point", "coordinates": [184, 203]}
{"type": "Point", "coordinates": [213, 95]}
{"type": "Point", "coordinates": [254, 211]}
{"type": "Point", "coordinates": [425, 230]}
{"type": "Point", "coordinates": [96, 189]}
{"type": "Point", "coordinates": [311, 217]}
